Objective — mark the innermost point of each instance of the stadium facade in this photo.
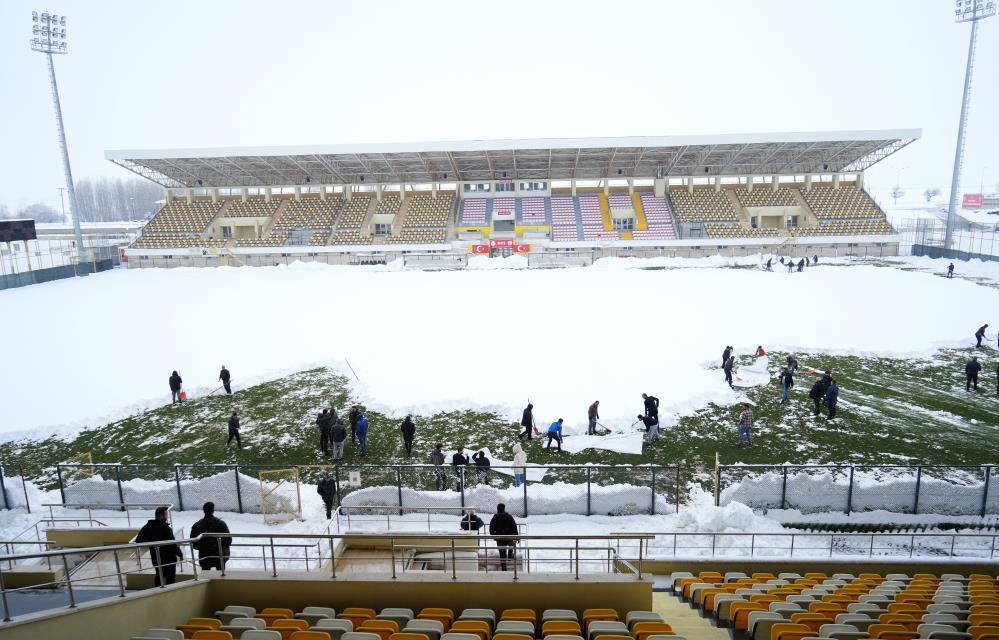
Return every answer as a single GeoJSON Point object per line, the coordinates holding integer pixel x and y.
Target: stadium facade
{"type": "Point", "coordinates": [551, 199]}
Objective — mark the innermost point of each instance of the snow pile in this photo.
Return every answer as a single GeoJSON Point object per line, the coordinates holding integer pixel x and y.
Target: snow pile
{"type": "Point", "coordinates": [755, 375]}
{"type": "Point", "coordinates": [618, 441]}
{"type": "Point", "coordinates": [486, 263]}
{"type": "Point", "coordinates": [407, 339]}
{"type": "Point", "coordinates": [557, 498]}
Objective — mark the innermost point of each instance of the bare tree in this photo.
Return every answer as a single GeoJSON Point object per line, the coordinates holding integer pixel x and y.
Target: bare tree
{"type": "Point", "coordinates": [930, 193]}
{"type": "Point", "coordinates": [113, 199]}
{"type": "Point", "coordinates": [4, 211]}
{"type": "Point", "coordinates": [896, 193]}
{"type": "Point", "coordinates": [40, 212]}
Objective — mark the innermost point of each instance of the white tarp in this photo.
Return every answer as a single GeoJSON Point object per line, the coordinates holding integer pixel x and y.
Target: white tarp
{"type": "Point", "coordinates": [755, 375]}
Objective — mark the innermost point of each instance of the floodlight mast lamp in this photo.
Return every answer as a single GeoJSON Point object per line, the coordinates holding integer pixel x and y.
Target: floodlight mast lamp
{"type": "Point", "coordinates": [49, 37]}
{"type": "Point", "coordinates": [971, 11]}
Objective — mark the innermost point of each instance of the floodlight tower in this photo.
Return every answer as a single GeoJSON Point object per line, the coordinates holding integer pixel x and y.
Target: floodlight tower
{"type": "Point", "coordinates": [49, 31]}
{"type": "Point", "coordinates": [971, 11]}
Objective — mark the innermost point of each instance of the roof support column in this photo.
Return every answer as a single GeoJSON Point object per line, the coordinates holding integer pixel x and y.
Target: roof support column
{"type": "Point", "coordinates": [572, 186]}
{"type": "Point", "coordinates": [808, 182]}
{"type": "Point", "coordinates": [243, 193]}
{"type": "Point", "coordinates": [347, 190]}
{"type": "Point", "coordinates": [659, 187]}
{"type": "Point", "coordinates": [402, 192]}
{"type": "Point", "coordinates": [433, 189]}
{"type": "Point", "coordinates": [749, 183]}
{"type": "Point", "coordinates": [835, 181]}
{"type": "Point", "coordinates": [378, 192]}
{"type": "Point", "coordinates": [775, 185]}
{"type": "Point", "coordinates": [690, 184]}
{"type": "Point", "coordinates": [516, 187]}
{"type": "Point", "coordinates": [267, 194]}
{"type": "Point", "coordinates": [169, 196]}
{"type": "Point", "coordinates": [717, 183]}
{"type": "Point", "coordinates": [298, 193]}
{"type": "Point", "coordinates": [322, 192]}
{"type": "Point", "coordinates": [860, 179]}
{"type": "Point", "coordinates": [492, 188]}
{"type": "Point", "coordinates": [631, 186]}
{"type": "Point", "coordinates": [190, 196]}
{"type": "Point", "coordinates": [606, 186]}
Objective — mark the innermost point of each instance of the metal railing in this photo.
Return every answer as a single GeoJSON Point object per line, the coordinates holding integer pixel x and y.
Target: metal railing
{"type": "Point", "coordinates": [403, 548]}
{"type": "Point", "coordinates": [786, 546]}
{"type": "Point", "coordinates": [124, 507]}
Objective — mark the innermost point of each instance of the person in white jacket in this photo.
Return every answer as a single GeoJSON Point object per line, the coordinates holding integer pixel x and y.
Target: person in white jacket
{"type": "Point", "coordinates": [519, 465]}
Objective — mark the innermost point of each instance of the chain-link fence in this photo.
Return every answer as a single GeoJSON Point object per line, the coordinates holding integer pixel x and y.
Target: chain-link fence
{"type": "Point", "coordinates": [847, 488]}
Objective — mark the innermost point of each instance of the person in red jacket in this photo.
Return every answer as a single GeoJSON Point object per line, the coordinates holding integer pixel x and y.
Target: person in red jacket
{"type": "Point", "coordinates": [760, 352]}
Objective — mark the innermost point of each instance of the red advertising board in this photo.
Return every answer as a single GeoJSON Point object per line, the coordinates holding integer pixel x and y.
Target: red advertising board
{"type": "Point", "coordinates": [972, 201]}
{"type": "Point", "coordinates": [122, 256]}
{"type": "Point", "coordinates": [480, 248]}
{"type": "Point", "coordinates": [522, 248]}
{"type": "Point", "coordinates": [501, 244]}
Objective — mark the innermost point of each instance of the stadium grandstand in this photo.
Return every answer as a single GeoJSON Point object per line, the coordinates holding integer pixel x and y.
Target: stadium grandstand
{"type": "Point", "coordinates": [785, 193]}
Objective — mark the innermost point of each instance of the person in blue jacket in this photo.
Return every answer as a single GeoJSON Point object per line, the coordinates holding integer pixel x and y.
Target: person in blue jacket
{"type": "Point", "coordinates": [832, 396]}
{"type": "Point", "coordinates": [362, 433]}
{"type": "Point", "coordinates": [555, 433]}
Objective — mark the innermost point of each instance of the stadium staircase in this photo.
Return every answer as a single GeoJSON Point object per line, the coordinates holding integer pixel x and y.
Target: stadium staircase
{"type": "Point", "coordinates": [265, 232]}
{"type": "Point", "coordinates": [740, 211]}
{"type": "Point", "coordinates": [605, 212]}
{"type": "Point", "coordinates": [809, 217]}
{"type": "Point", "coordinates": [221, 213]}
{"type": "Point", "coordinates": [579, 217]}
{"type": "Point", "coordinates": [641, 224]}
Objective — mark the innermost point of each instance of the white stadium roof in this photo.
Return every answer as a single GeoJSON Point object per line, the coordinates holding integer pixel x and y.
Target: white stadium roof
{"type": "Point", "coordinates": [537, 159]}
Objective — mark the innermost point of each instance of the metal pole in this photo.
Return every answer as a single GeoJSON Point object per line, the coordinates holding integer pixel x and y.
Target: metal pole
{"type": "Point", "coordinates": [525, 492]}
{"type": "Point", "coordinates": [3, 489]}
{"type": "Point", "coordinates": [454, 562]}
{"type": "Point", "coordinates": [176, 477]}
{"type": "Point", "coordinates": [959, 151]}
{"type": "Point", "coordinates": [239, 493]}
{"type": "Point", "coordinates": [221, 556]}
{"type": "Point", "coordinates": [588, 511]}
{"type": "Point", "coordinates": [849, 493]}
{"type": "Point", "coordinates": [74, 209]}
{"type": "Point", "coordinates": [652, 506]}
{"type": "Point", "coordinates": [62, 490]}
{"type": "Point", "coordinates": [117, 570]}
{"type": "Point", "coordinates": [985, 493]}
{"type": "Point", "coordinates": [398, 481]}
{"type": "Point", "coordinates": [273, 561]}
{"type": "Point", "coordinates": [919, 477]}
{"type": "Point", "coordinates": [333, 557]}
{"type": "Point", "coordinates": [69, 583]}
{"type": "Point", "coordinates": [121, 492]}
{"type": "Point", "coordinates": [783, 489]}
{"type": "Point", "coordinates": [678, 488]}
{"type": "Point", "coordinates": [6, 607]}
{"type": "Point", "coordinates": [461, 479]}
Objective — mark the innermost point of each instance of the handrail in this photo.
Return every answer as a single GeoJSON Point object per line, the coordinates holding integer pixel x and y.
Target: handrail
{"type": "Point", "coordinates": [109, 506]}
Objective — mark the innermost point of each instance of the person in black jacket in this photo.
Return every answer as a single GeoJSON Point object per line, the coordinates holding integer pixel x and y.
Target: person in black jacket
{"type": "Point", "coordinates": [325, 425]}
{"type": "Point", "coordinates": [818, 390]}
{"type": "Point", "coordinates": [786, 382]}
{"type": "Point", "coordinates": [234, 431]}
{"type": "Point", "coordinates": [792, 364]}
{"type": "Point", "coordinates": [327, 487]}
{"type": "Point", "coordinates": [224, 377]}
{"type": "Point", "coordinates": [338, 435]}
{"type": "Point", "coordinates": [729, 365]}
{"type": "Point", "coordinates": [213, 552]}
{"type": "Point", "coordinates": [725, 354]}
{"type": "Point", "coordinates": [471, 522]}
{"type": "Point", "coordinates": [481, 467]}
{"type": "Point", "coordinates": [527, 421]}
{"type": "Point", "coordinates": [801, 265]}
{"type": "Point", "coordinates": [651, 406]}
{"type": "Point", "coordinates": [408, 428]}
{"type": "Point", "coordinates": [353, 416]}
{"type": "Point", "coordinates": [503, 524]}
{"type": "Point", "coordinates": [459, 461]}
{"type": "Point", "coordinates": [971, 372]}
{"type": "Point", "coordinates": [165, 556]}
{"type": "Point", "coordinates": [979, 335]}
{"type": "Point", "coordinates": [440, 473]}
{"type": "Point", "coordinates": [175, 382]}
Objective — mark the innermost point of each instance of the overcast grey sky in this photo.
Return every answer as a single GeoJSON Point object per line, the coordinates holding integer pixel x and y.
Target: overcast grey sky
{"type": "Point", "coordinates": [205, 74]}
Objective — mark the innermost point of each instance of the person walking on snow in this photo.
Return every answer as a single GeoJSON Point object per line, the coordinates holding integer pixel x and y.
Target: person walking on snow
{"type": "Point", "coordinates": [503, 524]}
{"type": "Point", "coordinates": [980, 335]}
{"type": "Point", "coordinates": [460, 462]}
{"type": "Point", "coordinates": [651, 428]}
{"type": "Point", "coordinates": [362, 433]}
{"type": "Point", "coordinates": [818, 390]}
{"type": "Point", "coordinates": [353, 416]}
{"type": "Point", "coordinates": [327, 490]}
{"type": "Point", "coordinates": [440, 474]}
{"type": "Point", "coordinates": [801, 265]}
{"type": "Point", "coordinates": [224, 377]}
{"type": "Point", "coordinates": [338, 436]}
{"type": "Point", "coordinates": [832, 397]}
{"type": "Point", "coordinates": [234, 431]}
{"type": "Point", "coordinates": [950, 270]}
{"type": "Point", "coordinates": [790, 265]}
{"type": "Point", "coordinates": [971, 371]}
{"type": "Point", "coordinates": [729, 365]}
{"type": "Point", "coordinates": [725, 354]}
{"type": "Point", "coordinates": [651, 406]}
{"type": "Point", "coordinates": [792, 364]}
{"type": "Point", "coordinates": [815, 259]}
{"type": "Point", "coordinates": [213, 552]}
{"type": "Point", "coordinates": [527, 421]}
{"type": "Point", "coordinates": [746, 426]}
{"type": "Point", "coordinates": [519, 465]}
{"type": "Point", "coordinates": [555, 434]}
{"type": "Point", "coordinates": [324, 431]}
{"type": "Point", "coordinates": [481, 467]}
{"type": "Point", "coordinates": [408, 428]}
{"type": "Point", "coordinates": [593, 414]}
{"type": "Point", "coordinates": [770, 262]}
{"type": "Point", "coordinates": [786, 382]}
{"type": "Point", "coordinates": [175, 382]}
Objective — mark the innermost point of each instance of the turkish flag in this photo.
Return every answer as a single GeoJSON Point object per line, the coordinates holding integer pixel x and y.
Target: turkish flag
{"type": "Point", "coordinates": [480, 248]}
{"type": "Point", "coordinates": [522, 248]}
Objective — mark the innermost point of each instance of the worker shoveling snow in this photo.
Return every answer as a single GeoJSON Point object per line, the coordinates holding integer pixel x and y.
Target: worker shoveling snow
{"type": "Point", "coordinates": [755, 375]}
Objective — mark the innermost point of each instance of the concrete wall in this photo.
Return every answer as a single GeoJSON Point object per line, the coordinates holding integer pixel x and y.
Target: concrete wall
{"type": "Point", "coordinates": [14, 280]}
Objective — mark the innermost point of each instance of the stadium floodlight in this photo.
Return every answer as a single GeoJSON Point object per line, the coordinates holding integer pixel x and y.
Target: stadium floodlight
{"type": "Point", "coordinates": [49, 37]}
{"type": "Point", "coordinates": [972, 11]}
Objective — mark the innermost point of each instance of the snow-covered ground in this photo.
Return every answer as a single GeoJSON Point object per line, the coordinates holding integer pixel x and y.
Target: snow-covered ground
{"type": "Point", "coordinates": [89, 349]}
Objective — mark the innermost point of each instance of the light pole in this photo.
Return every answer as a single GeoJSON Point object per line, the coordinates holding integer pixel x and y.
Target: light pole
{"type": "Point", "coordinates": [965, 11]}
{"type": "Point", "coordinates": [49, 31]}
{"type": "Point", "coordinates": [62, 201]}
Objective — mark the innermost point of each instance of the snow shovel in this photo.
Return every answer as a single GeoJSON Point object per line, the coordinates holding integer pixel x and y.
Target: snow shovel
{"type": "Point", "coordinates": [608, 429]}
